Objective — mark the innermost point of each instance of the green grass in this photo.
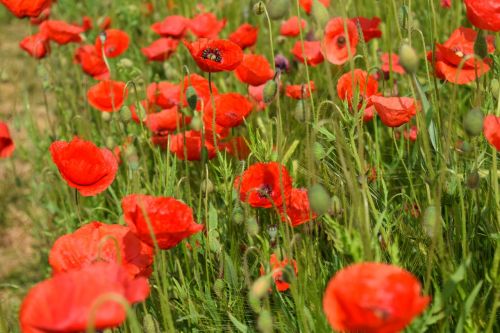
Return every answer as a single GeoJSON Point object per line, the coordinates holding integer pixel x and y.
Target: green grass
{"type": "Point", "coordinates": [206, 289]}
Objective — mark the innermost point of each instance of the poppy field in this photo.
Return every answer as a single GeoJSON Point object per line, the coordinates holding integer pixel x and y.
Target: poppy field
{"type": "Point", "coordinates": [249, 166]}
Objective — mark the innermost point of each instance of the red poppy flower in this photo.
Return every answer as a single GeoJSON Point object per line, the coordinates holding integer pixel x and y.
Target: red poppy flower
{"type": "Point", "coordinates": [307, 4]}
{"type": "Point", "coordinates": [357, 82]}
{"type": "Point", "coordinates": [312, 53]}
{"type": "Point", "coordinates": [97, 241]}
{"type": "Point", "coordinates": [484, 14]}
{"type": "Point", "coordinates": [206, 25]}
{"type": "Point", "coordinates": [245, 36]}
{"type": "Point", "coordinates": [291, 28]}
{"type": "Point", "coordinates": [84, 166]}
{"type": "Point", "coordinates": [446, 3]}
{"type": "Point", "coordinates": [450, 55]}
{"type": "Point", "coordinates": [174, 26]}
{"type": "Point", "coordinates": [187, 145]}
{"type": "Point", "coordinates": [87, 23]}
{"type": "Point", "coordinates": [116, 42]}
{"type": "Point", "coordinates": [61, 32]}
{"type": "Point", "coordinates": [92, 62]}
{"type": "Point", "coordinates": [44, 15]}
{"type": "Point", "coordinates": [277, 271]}
{"type": "Point", "coordinates": [370, 27]}
{"type": "Point", "coordinates": [215, 55]}
{"type": "Point", "coordinates": [66, 302]}
{"type": "Point", "coordinates": [105, 23]}
{"type": "Point", "coordinates": [108, 95]}
{"type": "Point", "coordinates": [200, 85]}
{"type": "Point", "coordinates": [298, 210]}
{"type": "Point", "coordinates": [26, 8]}
{"type": "Point", "coordinates": [334, 43]}
{"type": "Point", "coordinates": [165, 120]}
{"type": "Point", "coordinates": [300, 91]}
{"type": "Point", "coordinates": [164, 94]}
{"type": "Point", "coordinates": [237, 147]}
{"type": "Point", "coordinates": [263, 184]}
{"type": "Point", "coordinates": [368, 113]}
{"type": "Point", "coordinates": [411, 134]}
{"type": "Point", "coordinates": [161, 49]}
{"type": "Point", "coordinates": [6, 143]}
{"type": "Point", "coordinates": [254, 70]}
{"type": "Point", "coordinates": [36, 45]}
{"type": "Point", "coordinates": [491, 130]}
{"type": "Point", "coordinates": [373, 298]}
{"type": "Point", "coordinates": [230, 110]}
{"type": "Point", "coordinates": [170, 220]}
{"type": "Point", "coordinates": [393, 65]}
{"type": "Point", "coordinates": [394, 111]}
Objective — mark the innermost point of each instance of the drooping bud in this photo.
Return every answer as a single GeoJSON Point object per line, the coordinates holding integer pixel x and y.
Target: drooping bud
{"type": "Point", "coordinates": [125, 114]}
{"type": "Point", "coordinates": [277, 9]}
{"type": "Point", "coordinates": [408, 58]}
{"type": "Point", "coordinates": [191, 97]}
{"type": "Point", "coordinates": [260, 287]}
{"type": "Point", "coordinates": [318, 151]}
{"type": "Point", "coordinates": [335, 206]}
{"type": "Point", "coordinates": [252, 226]}
{"type": "Point", "coordinates": [238, 215]}
{"type": "Point", "coordinates": [480, 45]}
{"type": "Point", "coordinates": [319, 199]}
{"type": "Point", "coordinates": [495, 88]}
{"type": "Point", "coordinates": [270, 90]}
{"type": "Point", "coordinates": [259, 8]}
{"type": "Point", "coordinates": [473, 122]}
{"type": "Point", "coordinates": [265, 322]}
{"type": "Point", "coordinates": [299, 112]}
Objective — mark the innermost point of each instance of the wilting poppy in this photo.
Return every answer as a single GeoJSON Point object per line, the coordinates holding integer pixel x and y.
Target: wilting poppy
{"type": "Point", "coordinates": [92, 62]}
{"type": "Point", "coordinates": [312, 52]}
{"type": "Point", "coordinates": [484, 14]}
{"type": "Point", "coordinates": [264, 185]}
{"type": "Point", "coordinates": [334, 44]}
{"type": "Point", "coordinates": [277, 268]}
{"type": "Point", "coordinates": [201, 87]}
{"type": "Point", "coordinates": [206, 25]}
{"type": "Point", "coordinates": [254, 70]}
{"type": "Point", "coordinates": [161, 49]}
{"type": "Point", "coordinates": [394, 111]}
{"type": "Point", "coordinates": [307, 4]}
{"type": "Point", "coordinates": [391, 64]}
{"type": "Point", "coordinates": [230, 110]}
{"type": "Point", "coordinates": [26, 8]}
{"type": "Point", "coordinates": [61, 32]}
{"type": "Point", "coordinates": [491, 130]}
{"type": "Point", "coordinates": [108, 95]}
{"type": "Point", "coordinates": [291, 27]}
{"type": "Point", "coordinates": [300, 91]}
{"type": "Point", "coordinates": [174, 26]}
{"type": "Point", "coordinates": [369, 27]}
{"type": "Point", "coordinates": [116, 42]}
{"type": "Point", "coordinates": [187, 145]}
{"type": "Point", "coordinates": [298, 210]}
{"type": "Point", "coordinates": [84, 166]}
{"type": "Point", "coordinates": [7, 145]}
{"type": "Point", "coordinates": [168, 219]}
{"type": "Point", "coordinates": [373, 298]}
{"type": "Point", "coordinates": [164, 94]}
{"type": "Point", "coordinates": [245, 36]}
{"type": "Point", "coordinates": [215, 55]}
{"type": "Point", "coordinates": [450, 55]}
{"type": "Point", "coordinates": [67, 302]}
{"type": "Point", "coordinates": [356, 82]}
{"type": "Point", "coordinates": [36, 45]}
{"type": "Point", "coordinates": [96, 241]}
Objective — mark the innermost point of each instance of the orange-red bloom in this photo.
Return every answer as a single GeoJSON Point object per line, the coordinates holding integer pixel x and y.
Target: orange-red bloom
{"type": "Point", "coordinates": [291, 27]}
{"type": "Point", "coordinates": [108, 95]}
{"type": "Point", "coordinates": [92, 62]}
{"type": "Point", "coordinates": [370, 27]}
{"type": "Point", "coordinates": [254, 70]}
{"type": "Point", "coordinates": [277, 268]}
{"type": "Point", "coordinates": [174, 26]}
{"type": "Point", "coordinates": [300, 91]}
{"type": "Point", "coordinates": [264, 185]}
{"type": "Point", "coordinates": [206, 25]}
{"type": "Point", "coordinates": [26, 8]}
{"type": "Point", "coordinates": [394, 111]}
{"type": "Point", "coordinates": [312, 52]}
{"type": "Point", "coordinates": [188, 145]}
{"type": "Point", "coordinates": [373, 298]}
{"type": "Point", "coordinates": [335, 43]}
{"type": "Point", "coordinates": [84, 166]}
{"type": "Point", "coordinates": [307, 4]}
{"type": "Point", "coordinates": [391, 64]}
{"type": "Point", "coordinates": [484, 14]}
{"type": "Point", "coordinates": [215, 55]}
{"type": "Point", "coordinates": [36, 45]}
{"type": "Point", "coordinates": [256, 94]}
{"type": "Point", "coordinates": [61, 32]}
{"type": "Point", "coordinates": [116, 42]}
{"type": "Point", "coordinates": [161, 49]}
{"type": "Point", "coordinates": [96, 241]}
{"type": "Point", "coordinates": [298, 210]}
{"type": "Point", "coordinates": [491, 130]}
{"type": "Point", "coordinates": [230, 110]}
{"type": "Point", "coordinates": [245, 36]}
{"type": "Point", "coordinates": [67, 301]}
{"type": "Point", "coordinates": [451, 54]}
{"type": "Point", "coordinates": [164, 94]}
{"type": "Point", "coordinates": [6, 143]}
{"type": "Point", "coordinates": [168, 219]}
{"type": "Point", "coordinates": [357, 82]}
{"type": "Point", "coordinates": [164, 121]}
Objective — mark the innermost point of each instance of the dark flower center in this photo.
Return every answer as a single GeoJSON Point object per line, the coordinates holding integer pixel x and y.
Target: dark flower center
{"type": "Point", "coordinates": [341, 41]}
{"type": "Point", "coordinates": [212, 54]}
{"type": "Point", "coordinates": [265, 191]}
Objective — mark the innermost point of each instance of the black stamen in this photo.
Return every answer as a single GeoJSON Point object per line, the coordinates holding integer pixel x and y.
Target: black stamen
{"type": "Point", "coordinates": [211, 54]}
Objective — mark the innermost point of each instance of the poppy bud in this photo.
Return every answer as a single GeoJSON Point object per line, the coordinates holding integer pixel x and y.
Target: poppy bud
{"type": "Point", "coordinates": [319, 13]}
{"type": "Point", "coordinates": [464, 147]}
{"type": "Point", "coordinates": [335, 206]}
{"type": "Point", "coordinates": [319, 199]}
{"type": "Point", "coordinates": [110, 142]}
{"type": "Point", "coordinates": [495, 88]}
{"type": "Point", "coordinates": [473, 122]}
{"type": "Point", "coordinates": [473, 180]}
{"type": "Point", "coordinates": [125, 114]}
{"type": "Point", "coordinates": [219, 288]}
{"type": "Point", "coordinates": [299, 112]}
{"type": "Point", "coordinates": [196, 123]}
{"type": "Point", "coordinates": [125, 63]}
{"type": "Point", "coordinates": [318, 151]}
{"type": "Point", "coordinates": [106, 116]}
{"type": "Point", "coordinates": [265, 322]}
{"type": "Point", "coordinates": [259, 8]}
{"type": "Point", "coordinates": [270, 90]}
{"type": "Point", "coordinates": [238, 215]}
{"type": "Point", "coordinates": [191, 97]}
{"type": "Point", "coordinates": [207, 186]}
{"type": "Point", "coordinates": [150, 324]}
{"type": "Point", "coordinates": [480, 45]}
{"type": "Point", "coordinates": [260, 287]}
{"type": "Point", "coordinates": [430, 218]}
{"type": "Point", "coordinates": [252, 226]}
{"type": "Point", "coordinates": [277, 9]}
{"type": "Point", "coordinates": [408, 58]}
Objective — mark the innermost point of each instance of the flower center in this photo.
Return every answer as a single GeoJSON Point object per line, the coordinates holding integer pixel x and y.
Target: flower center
{"type": "Point", "coordinates": [341, 41]}
{"type": "Point", "coordinates": [212, 54]}
{"type": "Point", "coordinates": [458, 52]}
{"type": "Point", "coordinates": [265, 191]}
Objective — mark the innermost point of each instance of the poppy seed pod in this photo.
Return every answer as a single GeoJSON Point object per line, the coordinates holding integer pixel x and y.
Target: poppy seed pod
{"type": "Point", "coordinates": [473, 180]}
{"type": "Point", "coordinates": [480, 45]}
{"type": "Point", "coordinates": [473, 122]}
{"type": "Point", "coordinates": [408, 58]}
{"type": "Point", "coordinates": [277, 9]}
{"type": "Point", "coordinates": [259, 8]}
{"type": "Point", "coordinates": [319, 199]}
{"type": "Point", "coordinates": [270, 90]}
{"type": "Point", "coordinates": [495, 88]}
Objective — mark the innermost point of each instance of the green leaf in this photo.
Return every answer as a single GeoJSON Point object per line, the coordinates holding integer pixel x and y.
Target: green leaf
{"type": "Point", "coordinates": [238, 324]}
